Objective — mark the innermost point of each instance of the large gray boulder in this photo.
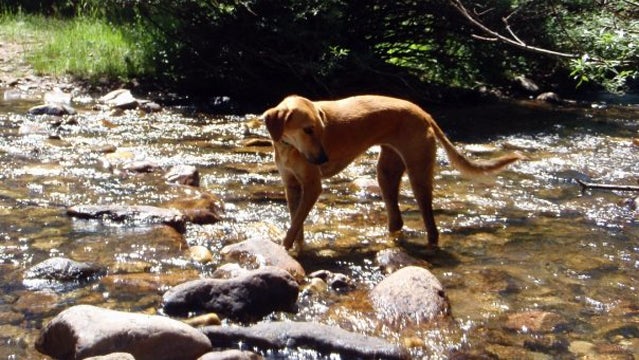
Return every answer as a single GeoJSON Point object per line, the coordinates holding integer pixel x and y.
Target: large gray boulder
{"type": "Point", "coordinates": [247, 297]}
{"type": "Point", "coordinates": [83, 331]}
{"type": "Point", "coordinates": [294, 335]}
{"type": "Point", "coordinates": [411, 294]}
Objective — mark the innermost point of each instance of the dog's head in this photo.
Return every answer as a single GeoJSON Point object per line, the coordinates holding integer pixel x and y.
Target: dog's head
{"type": "Point", "coordinates": [298, 122]}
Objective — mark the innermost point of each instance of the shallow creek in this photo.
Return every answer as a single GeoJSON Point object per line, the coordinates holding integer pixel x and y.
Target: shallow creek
{"type": "Point", "coordinates": [529, 241]}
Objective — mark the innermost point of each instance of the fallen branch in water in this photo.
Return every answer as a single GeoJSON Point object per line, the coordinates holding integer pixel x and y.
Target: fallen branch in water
{"type": "Point", "coordinates": [587, 185]}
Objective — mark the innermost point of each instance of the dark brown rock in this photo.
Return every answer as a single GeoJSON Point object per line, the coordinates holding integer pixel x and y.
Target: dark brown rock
{"type": "Point", "coordinates": [247, 297]}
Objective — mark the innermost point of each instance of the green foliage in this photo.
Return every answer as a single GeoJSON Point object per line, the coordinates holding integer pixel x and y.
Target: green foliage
{"type": "Point", "coordinates": [262, 49]}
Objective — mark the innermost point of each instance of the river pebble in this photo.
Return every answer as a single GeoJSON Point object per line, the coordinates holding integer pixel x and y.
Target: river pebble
{"type": "Point", "coordinates": [534, 321]}
{"type": "Point", "coordinates": [200, 254]}
{"type": "Point", "coordinates": [84, 330]}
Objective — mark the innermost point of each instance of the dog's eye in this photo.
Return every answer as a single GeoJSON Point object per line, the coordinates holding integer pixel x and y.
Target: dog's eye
{"type": "Point", "coordinates": [308, 130]}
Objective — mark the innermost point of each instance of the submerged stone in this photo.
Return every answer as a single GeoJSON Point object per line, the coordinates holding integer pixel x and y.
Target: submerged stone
{"type": "Point", "coordinates": [130, 213]}
{"type": "Point", "coordinates": [58, 269]}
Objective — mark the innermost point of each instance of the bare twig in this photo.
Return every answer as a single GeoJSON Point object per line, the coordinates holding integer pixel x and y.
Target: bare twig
{"type": "Point", "coordinates": [587, 185]}
{"type": "Point", "coordinates": [513, 40]}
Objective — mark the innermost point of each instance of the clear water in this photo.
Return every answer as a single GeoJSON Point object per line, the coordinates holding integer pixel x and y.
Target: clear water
{"type": "Point", "coordinates": [530, 240]}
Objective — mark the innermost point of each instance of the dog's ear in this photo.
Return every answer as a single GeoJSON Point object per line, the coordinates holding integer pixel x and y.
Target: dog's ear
{"type": "Point", "coordinates": [275, 119]}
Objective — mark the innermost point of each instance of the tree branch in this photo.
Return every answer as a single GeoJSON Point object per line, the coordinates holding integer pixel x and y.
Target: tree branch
{"type": "Point", "coordinates": [586, 185]}
{"type": "Point", "coordinates": [513, 40]}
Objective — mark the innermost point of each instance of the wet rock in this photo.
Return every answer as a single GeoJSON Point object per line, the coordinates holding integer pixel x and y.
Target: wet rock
{"type": "Point", "coordinates": [84, 330]}
{"type": "Point", "coordinates": [498, 351]}
{"type": "Point", "coordinates": [184, 175]}
{"type": "Point", "coordinates": [293, 335]}
{"type": "Point", "coordinates": [391, 260]}
{"type": "Point", "coordinates": [534, 321]}
{"type": "Point", "coordinates": [105, 148]}
{"type": "Point", "coordinates": [63, 270]}
{"type": "Point", "coordinates": [121, 99]}
{"type": "Point", "coordinates": [581, 348]}
{"type": "Point", "coordinates": [112, 356]}
{"type": "Point", "coordinates": [200, 254]}
{"type": "Point", "coordinates": [336, 281]}
{"type": "Point", "coordinates": [366, 186]}
{"type": "Point", "coordinates": [203, 320]}
{"type": "Point", "coordinates": [410, 294]}
{"type": "Point", "coordinates": [142, 166]}
{"type": "Point", "coordinates": [256, 253]}
{"type": "Point", "coordinates": [228, 271]}
{"type": "Point", "coordinates": [526, 84]}
{"type": "Point", "coordinates": [202, 209]}
{"type": "Point", "coordinates": [52, 109]}
{"type": "Point", "coordinates": [245, 298]}
{"type": "Point", "coordinates": [150, 106]}
{"type": "Point", "coordinates": [41, 303]}
{"type": "Point", "coordinates": [549, 97]}
{"type": "Point", "coordinates": [130, 213]}
{"type": "Point", "coordinates": [231, 355]}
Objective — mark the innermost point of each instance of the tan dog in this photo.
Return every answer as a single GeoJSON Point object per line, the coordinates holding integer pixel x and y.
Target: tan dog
{"type": "Point", "coordinates": [318, 139]}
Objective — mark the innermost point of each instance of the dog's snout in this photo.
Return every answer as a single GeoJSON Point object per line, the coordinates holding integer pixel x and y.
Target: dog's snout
{"type": "Point", "coordinates": [320, 159]}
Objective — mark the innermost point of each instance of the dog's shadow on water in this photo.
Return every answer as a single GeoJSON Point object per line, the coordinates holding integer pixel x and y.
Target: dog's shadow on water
{"type": "Point", "coordinates": [433, 257]}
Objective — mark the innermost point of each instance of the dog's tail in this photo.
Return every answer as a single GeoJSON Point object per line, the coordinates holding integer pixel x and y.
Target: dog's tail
{"type": "Point", "coordinates": [470, 168]}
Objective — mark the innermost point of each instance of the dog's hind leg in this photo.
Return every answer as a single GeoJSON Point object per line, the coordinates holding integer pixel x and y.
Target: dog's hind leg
{"type": "Point", "coordinates": [421, 167]}
{"type": "Point", "coordinates": [390, 168]}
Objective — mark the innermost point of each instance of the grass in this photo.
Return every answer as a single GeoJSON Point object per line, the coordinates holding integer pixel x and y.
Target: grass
{"type": "Point", "coordinates": [85, 47]}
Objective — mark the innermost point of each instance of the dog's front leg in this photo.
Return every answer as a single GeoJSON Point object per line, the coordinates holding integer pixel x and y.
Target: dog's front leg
{"type": "Point", "coordinates": [293, 198]}
{"type": "Point", "coordinates": [301, 197]}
